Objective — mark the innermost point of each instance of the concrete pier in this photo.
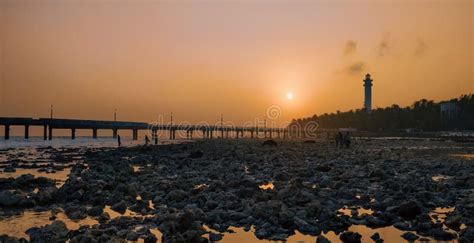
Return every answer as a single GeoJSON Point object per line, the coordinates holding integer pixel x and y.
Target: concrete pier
{"type": "Point", "coordinates": [49, 125]}
{"type": "Point", "coordinates": [27, 131]}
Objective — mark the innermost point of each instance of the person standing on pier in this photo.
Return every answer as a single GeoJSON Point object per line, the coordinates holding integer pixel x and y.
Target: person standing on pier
{"type": "Point", "coordinates": [118, 141]}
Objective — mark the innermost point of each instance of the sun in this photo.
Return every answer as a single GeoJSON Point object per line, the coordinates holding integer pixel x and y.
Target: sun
{"type": "Point", "coordinates": [289, 95]}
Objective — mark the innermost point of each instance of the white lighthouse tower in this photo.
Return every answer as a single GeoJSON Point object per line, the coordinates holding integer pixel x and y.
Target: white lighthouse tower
{"type": "Point", "coordinates": [368, 93]}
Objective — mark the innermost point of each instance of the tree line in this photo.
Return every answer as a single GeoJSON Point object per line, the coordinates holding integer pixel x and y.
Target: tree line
{"type": "Point", "coordinates": [422, 115]}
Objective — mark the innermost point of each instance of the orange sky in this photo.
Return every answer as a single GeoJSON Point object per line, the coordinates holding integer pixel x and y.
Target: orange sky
{"type": "Point", "coordinates": [203, 58]}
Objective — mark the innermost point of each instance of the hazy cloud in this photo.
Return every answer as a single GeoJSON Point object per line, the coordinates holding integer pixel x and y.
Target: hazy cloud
{"type": "Point", "coordinates": [350, 48]}
{"type": "Point", "coordinates": [384, 47]}
{"type": "Point", "coordinates": [420, 48]}
{"type": "Point", "coordinates": [355, 68]}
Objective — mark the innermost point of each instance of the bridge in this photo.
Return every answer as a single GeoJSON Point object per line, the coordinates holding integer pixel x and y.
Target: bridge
{"type": "Point", "coordinates": [208, 131]}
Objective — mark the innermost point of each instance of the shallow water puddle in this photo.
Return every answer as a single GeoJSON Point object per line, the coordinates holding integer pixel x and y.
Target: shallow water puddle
{"type": "Point", "coordinates": [360, 211]}
{"type": "Point", "coordinates": [389, 234]}
{"type": "Point", "coordinates": [137, 168]}
{"type": "Point", "coordinates": [60, 176]}
{"type": "Point", "coordinates": [17, 225]}
{"type": "Point", "coordinates": [155, 232]}
{"type": "Point", "coordinates": [199, 186]}
{"type": "Point", "coordinates": [267, 186]}
{"type": "Point", "coordinates": [113, 214]}
{"type": "Point", "coordinates": [150, 203]}
{"type": "Point", "coordinates": [440, 214]}
{"type": "Point", "coordinates": [465, 156]}
{"type": "Point", "coordinates": [438, 178]}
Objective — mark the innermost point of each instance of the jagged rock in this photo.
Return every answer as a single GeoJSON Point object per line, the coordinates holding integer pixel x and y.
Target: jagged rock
{"type": "Point", "coordinates": [440, 234]}
{"type": "Point", "coordinates": [119, 207]}
{"type": "Point", "coordinates": [323, 167]}
{"type": "Point", "coordinates": [409, 210]}
{"type": "Point", "coordinates": [9, 169]}
{"type": "Point", "coordinates": [95, 211]}
{"type": "Point", "coordinates": [350, 237]}
{"type": "Point", "coordinates": [454, 222]}
{"type": "Point", "coordinates": [177, 195]}
{"type": "Point", "coordinates": [270, 142]}
{"type": "Point", "coordinates": [9, 198]}
{"type": "Point", "coordinates": [54, 232]}
{"type": "Point", "coordinates": [8, 239]}
{"type": "Point", "coordinates": [104, 217]}
{"type": "Point", "coordinates": [181, 227]}
{"type": "Point", "coordinates": [376, 238]}
{"type": "Point", "coordinates": [322, 239]}
{"type": "Point", "coordinates": [76, 212]}
{"type": "Point", "coordinates": [215, 237]}
{"type": "Point", "coordinates": [409, 236]}
{"type": "Point", "coordinates": [46, 195]}
{"type": "Point", "coordinates": [196, 154]}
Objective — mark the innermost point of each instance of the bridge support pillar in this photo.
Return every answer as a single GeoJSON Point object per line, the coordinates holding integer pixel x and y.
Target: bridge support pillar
{"type": "Point", "coordinates": [114, 133]}
{"type": "Point", "coordinates": [50, 133]}
{"type": "Point", "coordinates": [227, 134]}
{"type": "Point", "coordinates": [73, 133]}
{"type": "Point", "coordinates": [154, 135]}
{"type": "Point", "coordinates": [211, 132]}
{"type": "Point", "coordinates": [7, 132]}
{"type": "Point", "coordinates": [45, 132]}
{"type": "Point", "coordinates": [27, 132]}
{"type": "Point", "coordinates": [191, 134]}
{"type": "Point", "coordinates": [94, 133]}
{"type": "Point", "coordinates": [251, 134]}
{"type": "Point", "coordinates": [135, 134]}
{"type": "Point", "coordinates": [174, 134]}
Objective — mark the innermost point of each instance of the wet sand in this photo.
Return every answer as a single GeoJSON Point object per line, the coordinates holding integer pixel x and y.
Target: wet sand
{"type": "Point", "coordinates": [207, 189]}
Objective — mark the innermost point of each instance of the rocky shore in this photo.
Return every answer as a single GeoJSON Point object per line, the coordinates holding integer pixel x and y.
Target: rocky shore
{"type": "Point", "coordinates": [193, 192]}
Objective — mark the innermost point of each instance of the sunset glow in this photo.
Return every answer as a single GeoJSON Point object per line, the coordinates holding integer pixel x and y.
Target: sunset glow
{"type": "Point", "coordinates": [289, 95]}
{"type": "Point", "coordinates": [200, 58]}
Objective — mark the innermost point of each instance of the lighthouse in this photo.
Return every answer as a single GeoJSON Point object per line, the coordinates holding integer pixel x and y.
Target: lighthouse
{"type": "Point", "coordinates": [368, 93]}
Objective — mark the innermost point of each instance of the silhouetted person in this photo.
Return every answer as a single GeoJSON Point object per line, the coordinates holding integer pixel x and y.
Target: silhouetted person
{"type": "Point", "coordinates": [147, 140]}
{"type": "Point", "coordinates": [118, 141]}
{"type": "Point", "coordinates": [339, 139]}
{"type": "Point", "coordinates": [347, 140]}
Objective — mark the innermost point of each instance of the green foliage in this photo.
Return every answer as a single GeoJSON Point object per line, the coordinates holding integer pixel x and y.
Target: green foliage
{"type": "Point", "coordinates": [423, 115]}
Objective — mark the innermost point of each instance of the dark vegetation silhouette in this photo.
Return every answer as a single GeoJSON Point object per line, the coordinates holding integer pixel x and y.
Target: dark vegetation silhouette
{"type": "Point", "coordinates": [422, 115]}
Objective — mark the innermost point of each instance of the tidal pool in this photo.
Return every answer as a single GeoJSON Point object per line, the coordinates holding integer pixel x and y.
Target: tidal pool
{"type": "Point", "coordinates": [18, 224]}
{"type": "Point", "coordinates": [60, 176]}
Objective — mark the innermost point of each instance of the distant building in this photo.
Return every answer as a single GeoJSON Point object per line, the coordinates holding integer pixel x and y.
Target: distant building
{"type": "Point", "coordinates": [449, 109]}
{"type": "Point", "coordinates": [368, 93]}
